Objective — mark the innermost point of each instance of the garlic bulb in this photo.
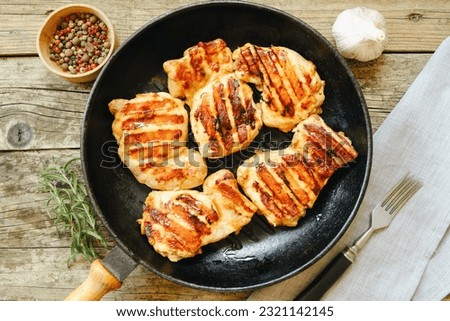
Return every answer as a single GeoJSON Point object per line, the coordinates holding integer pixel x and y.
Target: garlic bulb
{"type": "Point", "coordinates": [360, 33]}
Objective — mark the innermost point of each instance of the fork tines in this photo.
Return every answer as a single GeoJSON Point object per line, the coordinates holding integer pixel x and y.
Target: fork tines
{"type": "Point", "coordinates": [400, 194]}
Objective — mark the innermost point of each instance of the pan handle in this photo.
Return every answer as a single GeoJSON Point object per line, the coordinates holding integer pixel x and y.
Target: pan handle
{"type": "Point", "coordinates": [98, 283]}
{"type": "Point", "coordinates": [105, 276]}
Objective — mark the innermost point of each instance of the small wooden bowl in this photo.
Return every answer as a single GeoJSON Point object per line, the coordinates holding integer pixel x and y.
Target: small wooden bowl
{"type": "Point", "coordinates": [49, 28]}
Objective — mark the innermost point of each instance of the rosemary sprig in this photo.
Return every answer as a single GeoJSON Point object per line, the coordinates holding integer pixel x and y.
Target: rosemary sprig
{"type": "Point", "coordinates": [69, 205]}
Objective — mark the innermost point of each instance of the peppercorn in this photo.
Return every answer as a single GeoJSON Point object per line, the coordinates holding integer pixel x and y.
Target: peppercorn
{"type": "Point", "coordinates": [80, 43]}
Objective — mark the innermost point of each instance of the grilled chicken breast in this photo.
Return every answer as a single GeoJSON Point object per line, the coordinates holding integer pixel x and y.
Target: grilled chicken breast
{"type": "Point", "coordinates": [178, 223]}
{"type": "Point", "coordinates": [284, 183]}
{"type": "Point", "coordinates": [224, 118]}
{"type": "Point", "coordinates": [152, 131]}
{"type": "Point", "coordinates": [233, 208]}
{"type": "Point", "coordinates": [314, 134]}
{"type": "Point", "coordinates": [290, 85]}
{"type": "Point", "coordinates": [199, 65]}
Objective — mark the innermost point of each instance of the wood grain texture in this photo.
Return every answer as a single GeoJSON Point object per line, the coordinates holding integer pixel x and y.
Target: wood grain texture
{"type": "Point", "coordinates": [412, 25]}
{"type": "Point", "coordinates": [41, 114]}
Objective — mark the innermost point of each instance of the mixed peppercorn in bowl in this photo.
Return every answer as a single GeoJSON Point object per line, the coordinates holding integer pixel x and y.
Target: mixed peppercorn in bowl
{"type": "Point", "coordinates": [76, 41]}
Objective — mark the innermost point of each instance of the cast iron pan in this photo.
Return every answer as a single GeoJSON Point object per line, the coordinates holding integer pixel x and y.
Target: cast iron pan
{"type": "Point", "coordinates": [260, 255]}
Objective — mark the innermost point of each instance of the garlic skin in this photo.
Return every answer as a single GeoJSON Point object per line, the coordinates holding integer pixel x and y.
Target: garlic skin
{"type": "Point", "coordinates": [360, 33]}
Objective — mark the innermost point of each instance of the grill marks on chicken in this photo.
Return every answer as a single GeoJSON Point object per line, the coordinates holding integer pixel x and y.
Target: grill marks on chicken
{"type": "Point", "coordinates": [174, 222]}
{"type": "Point", "coordinates": [284, 183]}
{"type": "Point", "coordinates": [224, 117]}
{"type": "Point", "coordinates": [199, 65]}
{"type": "Point", "coordinates": [152, 131]}
{"type": "Point", "coordinates": [291, 87]}
{"type": "Point", "coordinates": [179, 223]}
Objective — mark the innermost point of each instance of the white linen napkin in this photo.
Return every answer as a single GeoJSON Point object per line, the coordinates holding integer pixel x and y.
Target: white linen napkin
{"type": "Point", "coordinates": [409, 260]}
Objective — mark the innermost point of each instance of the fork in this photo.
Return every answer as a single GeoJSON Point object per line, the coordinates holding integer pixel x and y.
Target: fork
{"type": "Point", "coordinates": [382, 215]}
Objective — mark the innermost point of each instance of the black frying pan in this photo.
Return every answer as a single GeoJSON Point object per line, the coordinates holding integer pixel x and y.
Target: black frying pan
{"type": "Point", "coordinates": [260, 255]}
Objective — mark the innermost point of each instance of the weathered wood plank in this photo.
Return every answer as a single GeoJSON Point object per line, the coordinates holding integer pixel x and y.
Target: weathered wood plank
{"type": "Point", "coordinates": [413, 25]}
{"type": "Point", "coordinates": [24, 222]}
{"type": "Point", "coordinates": [53, 108]}
{"type": "Point", "coordinates": [385, 80]}
{"type": "Point", "coordinates": [37, 119]}
{"type": "Point", "coordinates": [41, 274]}
{"type": "Point", "coordinates": [50, 107]}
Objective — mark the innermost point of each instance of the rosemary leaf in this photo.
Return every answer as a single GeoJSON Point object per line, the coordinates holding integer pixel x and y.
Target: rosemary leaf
{"type": "Point", "coordinates": [73, 214]}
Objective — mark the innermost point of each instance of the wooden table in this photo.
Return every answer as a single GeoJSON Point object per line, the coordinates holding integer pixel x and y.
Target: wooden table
{"type": "Point", "coordinates": [40, 117]}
